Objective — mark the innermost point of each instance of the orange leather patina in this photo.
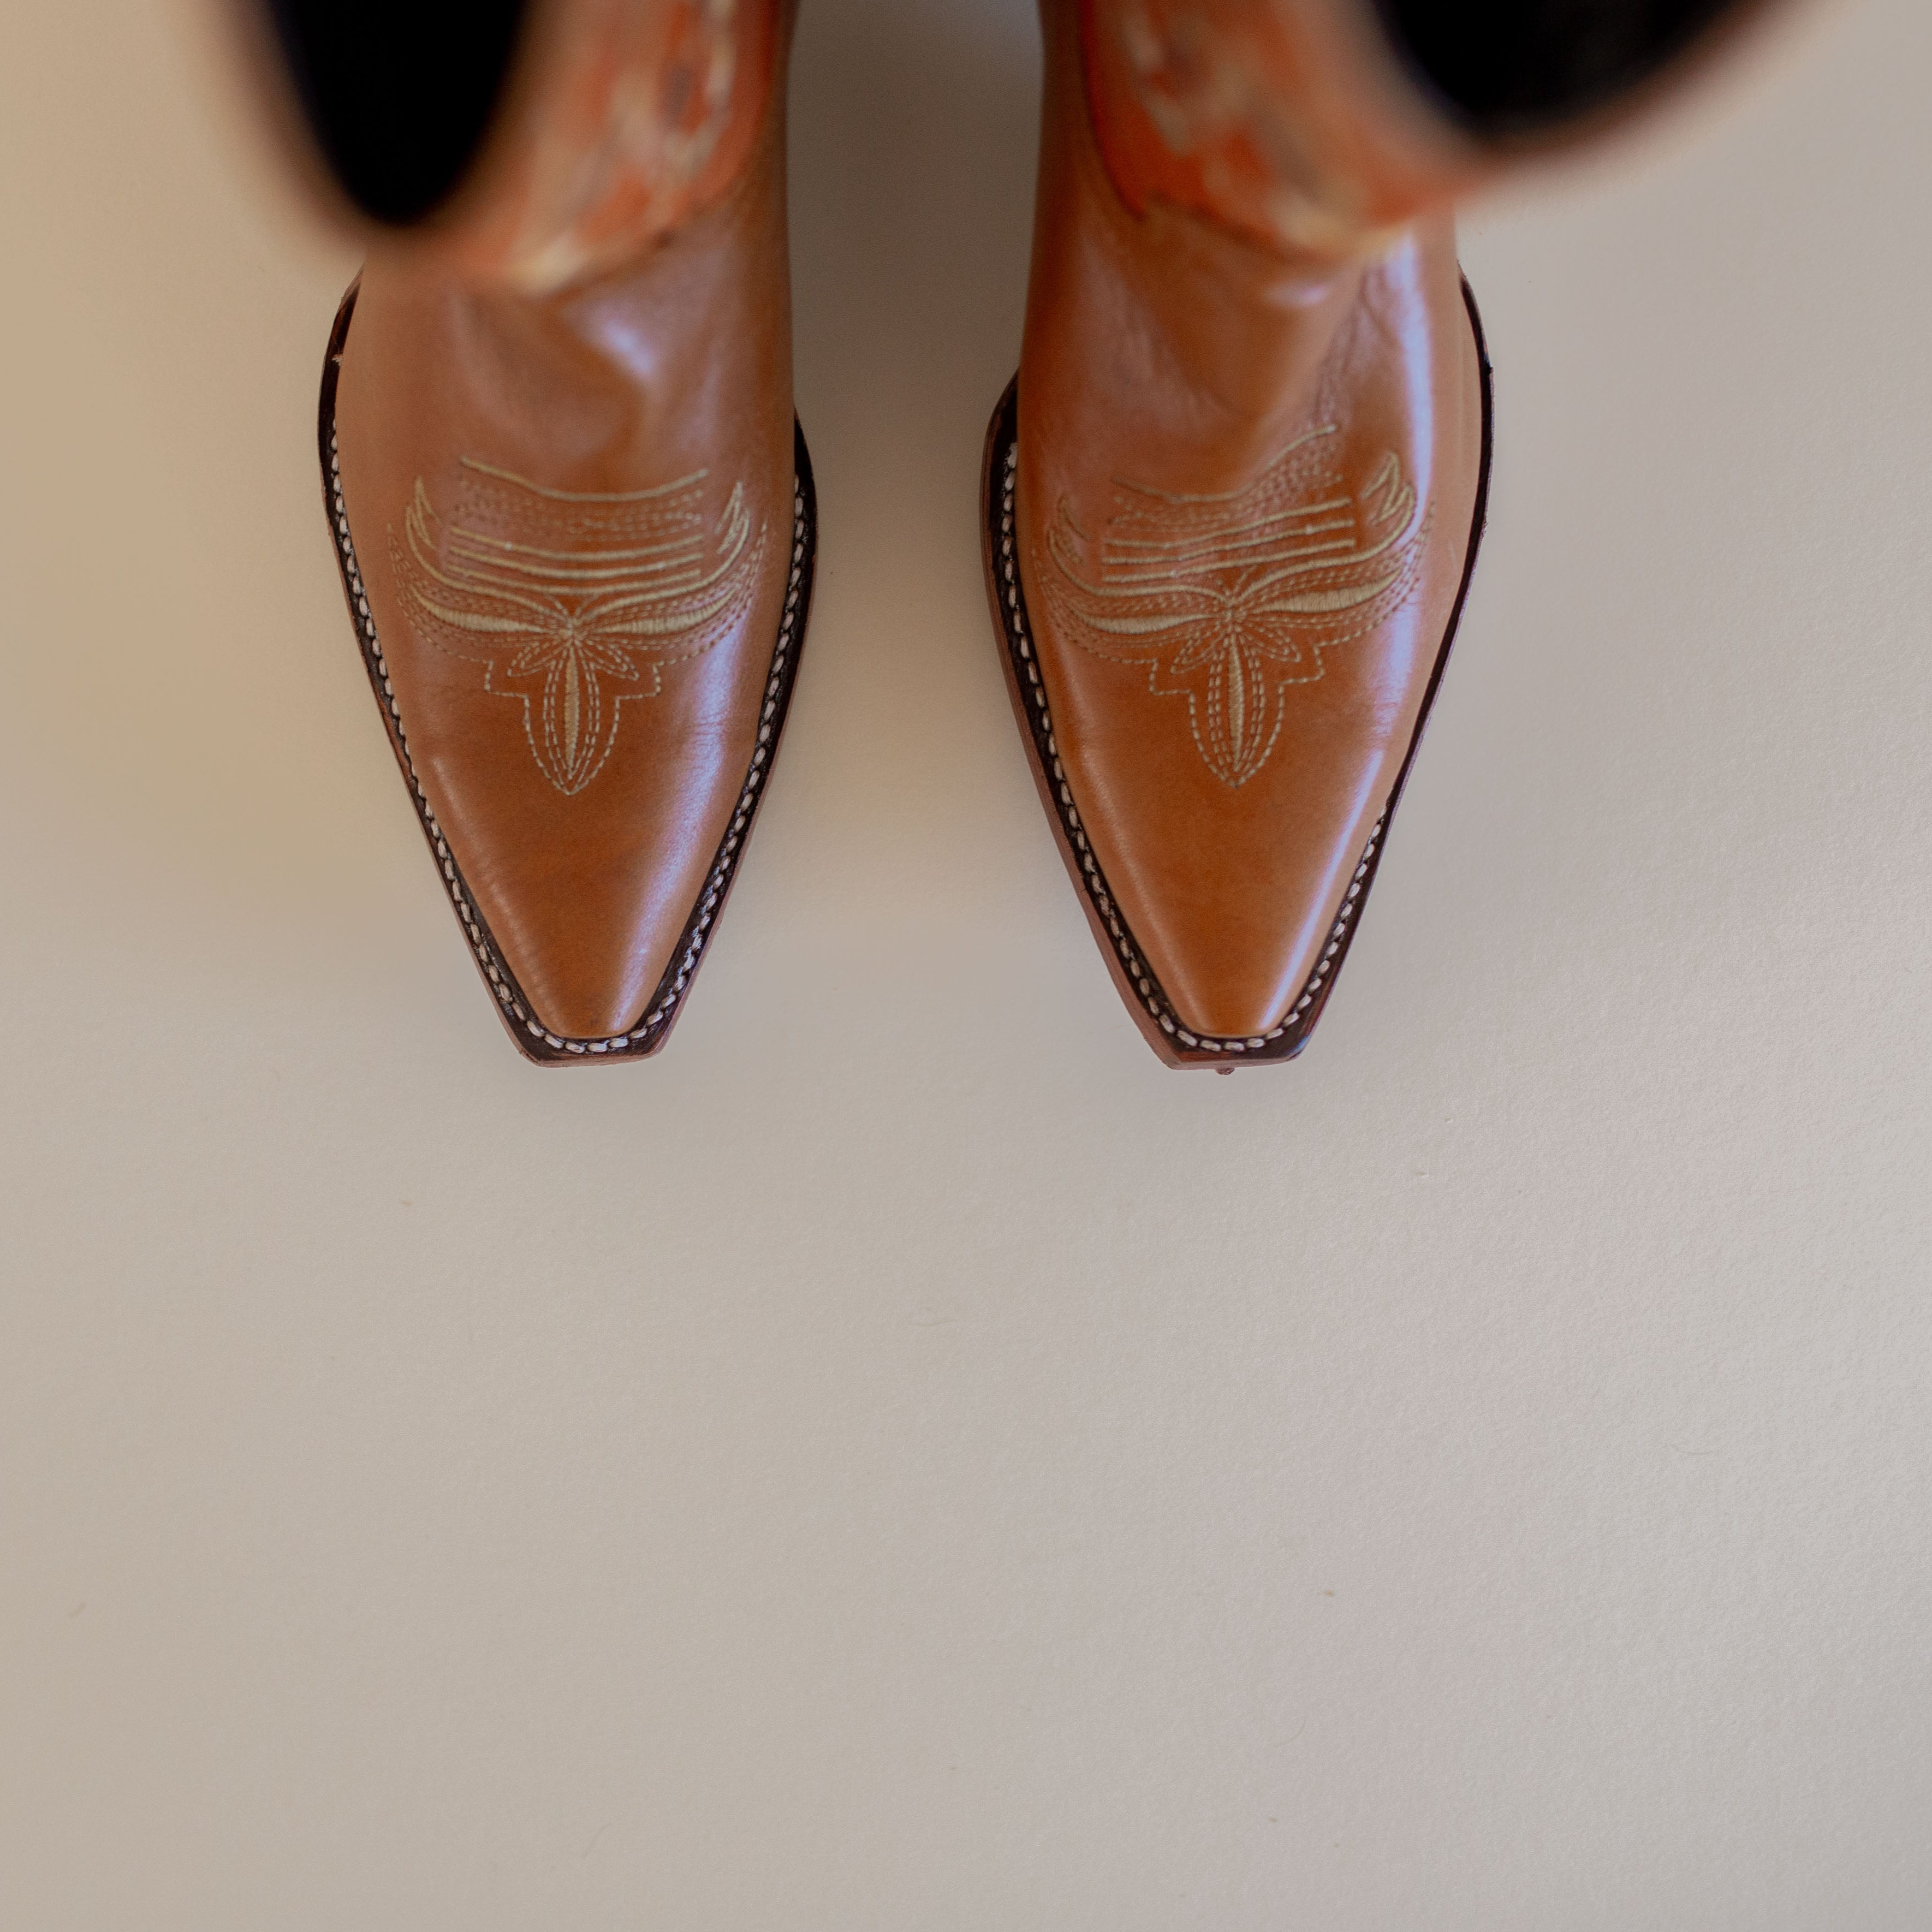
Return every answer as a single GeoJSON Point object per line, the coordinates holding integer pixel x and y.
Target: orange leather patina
{"type": "Point", "coordinates": [1244, 496]}
{"type": "Point", "coordinates": [565, 445]}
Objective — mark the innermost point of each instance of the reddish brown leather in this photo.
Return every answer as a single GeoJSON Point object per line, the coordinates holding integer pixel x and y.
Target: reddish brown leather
{"type": "Point", "coordinates": [1169, 361]}
{"type": "Point", "coordinates": [1299, 123]}
{"type": "Point", "coordinates": [585, 858]}
{"type": "Point", "coordinates": [624, 118]}
{"type": "Point", "coordinates": [617, 120]}
{"type": "Point", "coordinates": [1289, 121]}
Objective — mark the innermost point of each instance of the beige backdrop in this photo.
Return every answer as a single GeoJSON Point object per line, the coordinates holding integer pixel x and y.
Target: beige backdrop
{"type": "Point", "coordinates": [905, 1460]}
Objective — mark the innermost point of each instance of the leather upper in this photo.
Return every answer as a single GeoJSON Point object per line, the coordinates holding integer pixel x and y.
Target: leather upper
{"type": "Point", "coordinates": [1245, 486]}
{"type": "Point", "coordinates": [574, 514]}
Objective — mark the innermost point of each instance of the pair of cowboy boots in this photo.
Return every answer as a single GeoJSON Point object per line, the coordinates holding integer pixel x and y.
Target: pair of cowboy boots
{"type": "Point", "coordinates": [1231, 500]}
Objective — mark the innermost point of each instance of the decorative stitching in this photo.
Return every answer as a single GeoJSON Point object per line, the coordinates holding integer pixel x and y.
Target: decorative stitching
{"type": "Point", "coordinates": [1301, 1014]}
{"type": "Point", "coordinates": [581, 629]}
{"type": "Point", "coordinates": [1287, 1039]}
{"type": "Point", "coordinates": [1228, 600]}
{"type": "Point", "coordinates": [648, 1033]}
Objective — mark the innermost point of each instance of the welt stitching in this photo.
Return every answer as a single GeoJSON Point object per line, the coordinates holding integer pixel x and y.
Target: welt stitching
{"type": "Point", "coordinates": [1013, 616]}
{"type": "Point", "coordinates": [495, 969]}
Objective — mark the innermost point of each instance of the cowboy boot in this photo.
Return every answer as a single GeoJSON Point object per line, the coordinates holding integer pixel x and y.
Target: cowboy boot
{"type": "Point", "coordinates": [1233, 500]}
{"type": "Point", "coordinates": [572, 509]}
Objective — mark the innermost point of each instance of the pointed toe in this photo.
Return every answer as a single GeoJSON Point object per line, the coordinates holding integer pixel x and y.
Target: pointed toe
{"type": "Point", "coordinates": [1222, 691]}
{"type": "Point", "coordinates": [585, 688]}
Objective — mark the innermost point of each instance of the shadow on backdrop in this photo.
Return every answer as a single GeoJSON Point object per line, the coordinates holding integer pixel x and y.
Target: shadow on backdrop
{"type": "Point", "coordinates": [914, 134]}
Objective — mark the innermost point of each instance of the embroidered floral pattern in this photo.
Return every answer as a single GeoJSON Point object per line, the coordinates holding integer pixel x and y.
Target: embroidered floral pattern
{"type": "Point", "coordinates": [1230, 599]}
{"type": "Point", "coordinates": [574, 602]}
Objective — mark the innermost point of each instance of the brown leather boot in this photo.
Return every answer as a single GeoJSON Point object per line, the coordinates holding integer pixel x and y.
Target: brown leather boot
{"type": "Point", "coordinates": [573, 510]}
{"type": "Point", "coordinates": [1233, 500]}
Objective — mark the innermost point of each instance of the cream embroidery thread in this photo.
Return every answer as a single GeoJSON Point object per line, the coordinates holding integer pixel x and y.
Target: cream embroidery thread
{"type": "Point", "coordinates": [574, 602]}
{"type": "Point", "coordinates": [1301, 1014]}
{"type": "Point", "coordinates": [645, 1035]}
{"type": "Point", "coordinates": [1228, 600]}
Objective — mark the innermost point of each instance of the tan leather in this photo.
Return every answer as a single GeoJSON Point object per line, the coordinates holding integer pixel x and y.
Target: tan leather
{"type": "Point", "coordinates": [1246, 483]}
{"type": "Point", "coordinates": [574, 514]}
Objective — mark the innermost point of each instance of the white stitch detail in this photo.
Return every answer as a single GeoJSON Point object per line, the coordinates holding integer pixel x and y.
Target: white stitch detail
{"type": "Point", "coordinates": [1016, 626]}
{"type": "Point", "coordinates": [352, 575]}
